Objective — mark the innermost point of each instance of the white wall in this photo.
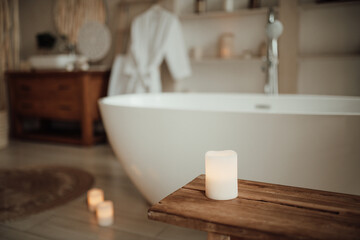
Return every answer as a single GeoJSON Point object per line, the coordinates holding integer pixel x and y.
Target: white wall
{"type": "Point", "coordinates": [220, 76]}
{"type": "Point", "coordinates": [329, 49]}
{"type": "Point", "coordinates": [330, 30]}
{"type": "Point", "coordinates": [330, 75]}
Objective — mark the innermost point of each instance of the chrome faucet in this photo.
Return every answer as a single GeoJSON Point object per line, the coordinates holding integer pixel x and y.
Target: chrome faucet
{"type": "Point", "coordinates": [274, 29]}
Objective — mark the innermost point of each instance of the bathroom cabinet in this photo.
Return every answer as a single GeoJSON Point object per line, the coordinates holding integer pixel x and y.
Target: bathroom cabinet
{"type": "Point", "coordinates": [43, 102]}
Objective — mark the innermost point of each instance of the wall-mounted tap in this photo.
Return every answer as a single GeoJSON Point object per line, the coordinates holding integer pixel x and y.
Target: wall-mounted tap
{"type": "Point", "coordinates": [274, 29]}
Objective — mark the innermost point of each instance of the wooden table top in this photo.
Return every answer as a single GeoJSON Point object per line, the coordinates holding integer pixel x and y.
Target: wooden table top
{"type": "Point", "coordinates": [91, 70]}
{"type": "Point", "coordinates": [263, 211]}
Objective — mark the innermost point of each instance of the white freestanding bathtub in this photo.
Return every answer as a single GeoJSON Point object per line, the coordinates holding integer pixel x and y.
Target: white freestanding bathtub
{"type": "Point", "coordinates": [297, 140]}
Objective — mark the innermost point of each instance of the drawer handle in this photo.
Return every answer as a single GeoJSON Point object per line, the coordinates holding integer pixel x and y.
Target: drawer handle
{"type": "Point", "coordinates": [65, 107]}
{"type": "Point", "coordinates": [63, 87]}
{"type": "Point", "coordinates": [25, 88]}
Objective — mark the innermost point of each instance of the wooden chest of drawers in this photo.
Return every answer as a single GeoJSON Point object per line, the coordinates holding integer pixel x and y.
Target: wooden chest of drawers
{"type": "Point", "coordinates": [57, 96]}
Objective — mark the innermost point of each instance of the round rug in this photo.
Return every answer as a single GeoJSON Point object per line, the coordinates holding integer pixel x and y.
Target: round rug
{"type": "Point", "coordinates": [31, 190]}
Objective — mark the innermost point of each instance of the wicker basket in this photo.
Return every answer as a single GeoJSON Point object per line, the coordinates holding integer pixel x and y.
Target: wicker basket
{"type": "Point", "coordinates": [4, 135]}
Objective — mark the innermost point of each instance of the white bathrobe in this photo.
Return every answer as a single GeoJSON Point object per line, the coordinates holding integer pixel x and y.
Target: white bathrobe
{"type": "Point", "coordinates": [155, 35]}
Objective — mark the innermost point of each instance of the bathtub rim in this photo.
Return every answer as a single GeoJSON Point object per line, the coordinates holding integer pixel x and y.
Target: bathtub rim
{"type": "Point", "coordinates": [103, 101]}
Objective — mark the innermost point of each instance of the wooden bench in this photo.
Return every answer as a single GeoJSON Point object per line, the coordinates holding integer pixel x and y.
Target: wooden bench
{"type": "Point", "coordinates": [262, 211]}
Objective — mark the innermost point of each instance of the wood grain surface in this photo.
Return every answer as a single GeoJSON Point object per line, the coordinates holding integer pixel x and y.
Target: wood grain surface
{"type": "Point", "coordinates": [263, 211]}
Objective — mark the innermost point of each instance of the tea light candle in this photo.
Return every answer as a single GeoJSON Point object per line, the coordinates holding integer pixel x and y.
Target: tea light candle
{"type": "Point", "coordinates": [105, 213]}
{"type": "Point", "coordinates": [221, 175]}
{"type": "Point", "coordinates": [94, 197]}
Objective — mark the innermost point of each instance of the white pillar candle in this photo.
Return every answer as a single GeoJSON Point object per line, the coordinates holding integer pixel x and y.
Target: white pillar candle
{"type": "Point", "coordinates": [105, 213]}
{"type": "Point", "coordinates": [221, 175]}
{"type": "Point", "coordinates": [94, 197]}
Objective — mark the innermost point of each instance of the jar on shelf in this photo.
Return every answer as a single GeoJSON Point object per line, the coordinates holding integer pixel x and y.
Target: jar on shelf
{"type": "Point", "coordinates": [226, 45]}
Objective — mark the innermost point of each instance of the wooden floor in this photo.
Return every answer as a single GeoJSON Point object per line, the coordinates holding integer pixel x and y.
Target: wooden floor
{"type": "Point", "coordinates": [73, 220]}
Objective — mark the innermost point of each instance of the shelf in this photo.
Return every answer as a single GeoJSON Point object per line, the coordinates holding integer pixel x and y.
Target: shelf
{"type": "Point", "coordinates": [134, 2]}
{"type": "Point", "coordinates": [310, 6]}
{"type": "Point", "coordinates": [234, 59]}
{"type": "Point", "coordinates": [329, 56]}
{"type": "Point", "coordinates": [223, 14]}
